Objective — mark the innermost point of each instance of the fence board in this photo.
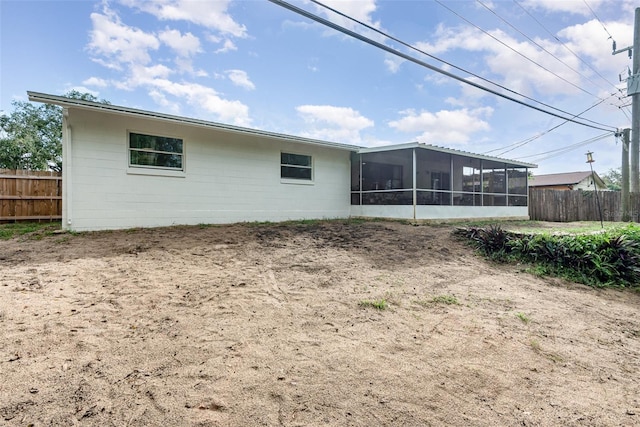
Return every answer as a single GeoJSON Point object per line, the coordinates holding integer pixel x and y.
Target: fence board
{"type": "Point", "coordinates": [569, 205]}
{"type": "Point", "coordinates": [30, 195]}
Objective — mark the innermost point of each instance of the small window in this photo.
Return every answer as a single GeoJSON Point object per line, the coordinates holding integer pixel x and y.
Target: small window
{"type": "Point", "coordinates": [152, 151]}
{"type": "Point", "coordinates": [296, 166]}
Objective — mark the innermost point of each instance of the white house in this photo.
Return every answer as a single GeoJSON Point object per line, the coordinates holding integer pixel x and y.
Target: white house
{"type": "Point", "coordinates": [125, 168]}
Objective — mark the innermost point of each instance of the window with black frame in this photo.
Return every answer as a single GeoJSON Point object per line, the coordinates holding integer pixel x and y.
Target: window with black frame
{"type": "Point", "coordinates": [158, 152]}
{"type": "Point", "coordinates": [296, 166]}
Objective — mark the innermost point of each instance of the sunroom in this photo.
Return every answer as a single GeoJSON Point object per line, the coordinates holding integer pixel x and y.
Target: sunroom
{"type": "Point", "coordinates": [426, 182]}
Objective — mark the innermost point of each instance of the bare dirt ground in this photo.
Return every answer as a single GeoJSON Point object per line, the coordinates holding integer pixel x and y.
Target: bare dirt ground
{"type": "Point", "coordinates": [249, 325]}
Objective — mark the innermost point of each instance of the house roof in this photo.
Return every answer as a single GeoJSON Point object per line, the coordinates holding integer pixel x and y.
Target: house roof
{"type": "Point", "coordinates": [66, 102]}
{"type": "Point", "coordinates": [116, 109]}
{"type": "Point", "coordinates": [568, 178]}
{"type": "Point", "coordinates": [445, 150]}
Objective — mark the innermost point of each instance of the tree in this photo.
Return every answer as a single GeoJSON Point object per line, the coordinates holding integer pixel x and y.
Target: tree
{"type": "Point", "coordinates": [31, 136]}
{"type": "Point", "coordinates": [613, 179]}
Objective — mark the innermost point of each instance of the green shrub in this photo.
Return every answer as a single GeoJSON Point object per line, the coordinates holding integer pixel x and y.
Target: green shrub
{"type": "Point", "coordinates": [610, 258]}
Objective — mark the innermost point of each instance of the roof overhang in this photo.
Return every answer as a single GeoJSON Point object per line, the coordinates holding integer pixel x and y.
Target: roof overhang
{"type": "Point", "coordinates": [66, 102]}
{"type": "Point", "coordinates": [125, 111]}
{"type": "Point", "coordinates": [419, 145]}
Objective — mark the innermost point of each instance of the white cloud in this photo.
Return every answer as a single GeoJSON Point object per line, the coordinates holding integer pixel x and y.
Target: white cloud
{"type": "Point", "coordinates": [141, 74]}
{"type": "Point", "coordinates": [127, 49]}
{"type": "Point", "coordinates": [184, 45]}
{"type": "Point", "coordinates": [563, 6]}
{"type": "Point", "coordinates": [590, 40]}
{"type": "Point", "coordinates": [327, 122]}
{"type": "Point", "coordinates": [160, 99]}
{"type": "Point", "coordinates": [119, 43]}
{"type": "Point", "coordinates": [360, 10]}
{"type": "Point", "coordinates": [521, 65]}
{"type": "Point", "coordinates": [210, 14]}
{"type": "Point", "coordinates": [393, 62]}
{"type": "Point", "coordinates": [203, 97]}
{"type": "Point", "coordinates": [445, 126]}
{"type": "Point", "coordinates": [240, 78]}
{"type": "Point", "coordinates": [95, 81]}
{"type": "Point", "coordinates": [227, 46]}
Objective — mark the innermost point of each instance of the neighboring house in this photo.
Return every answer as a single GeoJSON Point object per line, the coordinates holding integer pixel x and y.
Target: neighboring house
{"type": "Point", "coordinates": [125, 168]}
{"type": "Point", "coordinates": [567, 181]}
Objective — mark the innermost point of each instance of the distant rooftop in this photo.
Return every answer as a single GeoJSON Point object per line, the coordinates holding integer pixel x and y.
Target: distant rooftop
{"type": "Point", "coordinates": [568, 178]}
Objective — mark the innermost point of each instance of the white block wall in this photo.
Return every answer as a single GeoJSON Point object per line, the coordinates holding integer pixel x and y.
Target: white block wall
{"type": "Point", "coordinates": [228, 177]}
{"type": "Point", "coordinates": [424, 212]}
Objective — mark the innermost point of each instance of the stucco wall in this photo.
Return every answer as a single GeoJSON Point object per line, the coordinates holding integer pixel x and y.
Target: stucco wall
{"type": "Point", "coordinates": [228, 178]}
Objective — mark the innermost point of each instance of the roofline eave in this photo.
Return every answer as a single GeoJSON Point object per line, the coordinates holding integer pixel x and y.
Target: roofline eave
{"type": "Point", "coordinates": [431, 147]}
{"type": "Point", "coordinates": [115, 109]}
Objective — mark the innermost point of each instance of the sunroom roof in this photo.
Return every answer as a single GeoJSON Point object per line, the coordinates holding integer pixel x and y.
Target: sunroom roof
{"type": "Point", "coordinates": [412, 145]}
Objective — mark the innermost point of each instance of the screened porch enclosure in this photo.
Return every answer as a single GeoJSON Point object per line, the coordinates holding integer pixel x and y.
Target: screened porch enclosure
{"type": "Point", "coordinates": [424, 182]}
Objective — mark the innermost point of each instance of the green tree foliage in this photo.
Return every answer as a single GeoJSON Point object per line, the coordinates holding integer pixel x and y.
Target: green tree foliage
{"type": "Point", "coordinates": [613, 179]}
{"type": "Point", "coordinates": [31, 135]}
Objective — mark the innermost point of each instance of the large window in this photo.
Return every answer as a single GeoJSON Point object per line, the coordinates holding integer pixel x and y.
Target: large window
{"type": "Point", "coordinates": [152, 151]}
{"type": "Point", "coordinates": [296, 166]}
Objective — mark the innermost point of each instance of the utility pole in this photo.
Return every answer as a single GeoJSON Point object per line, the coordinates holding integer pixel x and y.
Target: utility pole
{"type": "Point", "coordinates": [625, 175]}
{"type": "Point", "coordinates": [595, 185]}
{"type": "Point", "coordinates": [633, 90]}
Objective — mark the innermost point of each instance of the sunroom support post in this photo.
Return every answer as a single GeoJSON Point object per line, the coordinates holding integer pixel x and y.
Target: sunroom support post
{"type": "Point", "coordinates": [360, 179]}
{"type": "Point", "coordinates": [451, 180]}
{"type": "Point", "coordinates": [415, 183]}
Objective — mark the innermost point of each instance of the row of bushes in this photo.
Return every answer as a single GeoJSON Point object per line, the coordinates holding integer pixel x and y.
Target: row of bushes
{"type": "Point", "coordinates": [610, 258]}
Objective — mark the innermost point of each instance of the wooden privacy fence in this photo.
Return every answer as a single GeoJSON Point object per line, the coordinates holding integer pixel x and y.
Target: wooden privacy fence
{"type": "Point", "coordinates": [572, 205]}
{"type": "Point", "coordinates": [30, 195]}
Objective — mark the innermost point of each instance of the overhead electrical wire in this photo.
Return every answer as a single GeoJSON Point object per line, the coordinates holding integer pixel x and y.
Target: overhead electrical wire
{"type": "Point", "coordinates": [390, 37]}
{"type": "Point", "coordinates": [568, 148]}
{"type": "Point", "coordinates": [515, 50]}
{"type": "Point", "coordinates": [381, 46]}
{"type": "Point", "coordinates": [625, 112]}
{"type": "Point", "coordinates": [445, 62]}
{"type": "Point", "coordinates": [518, 144]}
{"type": "Point", "coordinates": [538, 44]}
{"type": "Point", "coordinates": [524, 142]}
{"type": "Point", "coordinates": [395, 52]}
{"type": "Point", "coordinates": [600, 21]}
{"type": "Point", "coordinates": [565, 46]}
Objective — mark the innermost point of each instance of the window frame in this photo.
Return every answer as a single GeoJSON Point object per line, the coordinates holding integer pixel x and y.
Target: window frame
{"type": "Point", "coordinates": [141, 169]}
{"type": "Point", "coordinates": [293, 180]}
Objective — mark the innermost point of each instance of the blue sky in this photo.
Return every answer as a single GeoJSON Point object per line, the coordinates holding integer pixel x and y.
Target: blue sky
{"type": "Point", "coordinates": [256, 64]}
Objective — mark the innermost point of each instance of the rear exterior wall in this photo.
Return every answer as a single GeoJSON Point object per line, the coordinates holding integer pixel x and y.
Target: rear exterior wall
{"type": "Point", "coordinates": [228, 177]}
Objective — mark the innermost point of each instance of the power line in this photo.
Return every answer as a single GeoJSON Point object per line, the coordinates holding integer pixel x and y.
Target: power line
{"type": "Point", "coordinates": [565, 46]}
{"type": "Point", "coordinates": [625, 112]}
{"type": "Point", "coordinates": [601, 23]}
{"type": "Point", "coordinates": [515, 50]}
{"type": "Point", "coordinates": [424, 64]}
{"type": "Point", "coordinates": [537, 44]}
{"type": "Point", "coordinates": [443, 61]}
{"type": "Point", "coordinates": [524, 142]}
{"type": "Point", "coordinates": [568, 148]}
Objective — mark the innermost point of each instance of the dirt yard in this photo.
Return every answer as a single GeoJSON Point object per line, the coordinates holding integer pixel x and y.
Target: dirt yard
{"type": "Point", "coordinates": [267, 325]}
